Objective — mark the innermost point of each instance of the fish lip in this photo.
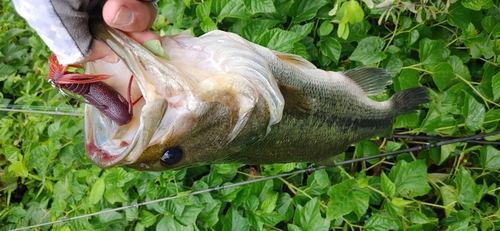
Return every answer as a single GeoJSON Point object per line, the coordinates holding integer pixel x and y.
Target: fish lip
{"type": "Point", "coordinates": [132, 149]}
{"type": "Point", "coordinates": [97, 155]}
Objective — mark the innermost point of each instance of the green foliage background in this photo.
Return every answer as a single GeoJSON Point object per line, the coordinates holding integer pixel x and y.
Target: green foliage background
{"type": "Point", "coordinates": [453, 48]}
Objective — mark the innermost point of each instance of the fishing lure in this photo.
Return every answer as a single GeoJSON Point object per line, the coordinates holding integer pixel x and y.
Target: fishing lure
{"type": "Point", "coordinates": [95, 92]}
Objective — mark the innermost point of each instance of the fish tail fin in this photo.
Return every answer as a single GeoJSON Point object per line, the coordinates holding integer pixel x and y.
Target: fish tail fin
{"type": "Point", "coordinates": [409, 100]}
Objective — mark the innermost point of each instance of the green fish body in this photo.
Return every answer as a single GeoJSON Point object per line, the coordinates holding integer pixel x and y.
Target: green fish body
{"type": "Point", "coordinates": [221, 99]}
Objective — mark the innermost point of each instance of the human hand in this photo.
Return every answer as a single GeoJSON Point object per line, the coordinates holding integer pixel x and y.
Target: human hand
{"type": "Point", "coordinates": [134, 17]}
{"type": "Point", "coordinates": [63, 25]}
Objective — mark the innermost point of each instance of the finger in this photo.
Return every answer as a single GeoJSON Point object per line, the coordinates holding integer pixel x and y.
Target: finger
{"type": "Point", "coordinates": [101, 51]}
{"type": "Point", "coordinates": [129, 15]}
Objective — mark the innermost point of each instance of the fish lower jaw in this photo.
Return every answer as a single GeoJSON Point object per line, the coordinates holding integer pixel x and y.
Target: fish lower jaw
{"type": "Point", "coordinates": [104, 159]}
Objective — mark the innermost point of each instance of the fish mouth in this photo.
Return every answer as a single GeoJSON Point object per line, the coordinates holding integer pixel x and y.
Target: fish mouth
{"type": "Point", "coordinates": [108, 144]}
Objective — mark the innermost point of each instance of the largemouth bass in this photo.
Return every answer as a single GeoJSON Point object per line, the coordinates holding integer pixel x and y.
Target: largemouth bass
{"type": "Point", "coordinates": [221, 99]}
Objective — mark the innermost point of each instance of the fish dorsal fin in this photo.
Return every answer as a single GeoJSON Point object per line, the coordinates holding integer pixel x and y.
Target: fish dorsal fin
{"type": "Point", "coordinates": [296, 102]}
{"type": "Point", "coordinates": [371, 79]}
{"type": "Point", "coordinates": [295, 60]}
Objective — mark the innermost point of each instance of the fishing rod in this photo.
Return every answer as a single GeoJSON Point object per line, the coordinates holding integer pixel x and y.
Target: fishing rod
{"type": "Point", "coordinates": [308, 170]}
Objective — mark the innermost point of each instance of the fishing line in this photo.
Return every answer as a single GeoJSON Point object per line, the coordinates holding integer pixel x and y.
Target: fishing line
{"type": "Point", "coordinates": [308, 170]}
{"type": "Point", "coordinates": [62, 111]}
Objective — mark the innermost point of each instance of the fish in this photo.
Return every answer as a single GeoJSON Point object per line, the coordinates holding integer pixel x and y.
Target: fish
{"type": "Point", "coordinates": [219, 98]}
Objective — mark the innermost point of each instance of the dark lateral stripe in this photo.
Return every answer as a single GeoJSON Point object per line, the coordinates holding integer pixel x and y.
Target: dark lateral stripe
{"type": "Point", "coordinates": [350, 123]}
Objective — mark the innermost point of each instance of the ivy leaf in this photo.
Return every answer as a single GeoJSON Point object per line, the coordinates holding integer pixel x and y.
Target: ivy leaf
{"type": "Point", "coordinates": [432, 52]}
{"type": "Point", "coordinates": [417, 217]}
{"type": "Point", "coordinates": [325, 29]}
{"type": "Point", "coordinates": [369, 50]}
{"type": "Point", "coordinates": [309, 217]}
{"type": "Point", "coordinates": [474, 113]}
{"type": "Point", "coordinates": [480, 45]}
{"type": "Point", "coordinates": [155, 47]}
{"type": "Point", "coordinates": [491, 25]}
{"type": "Point", "coordinates": [495, 83]}
{"type": "Point", "coordinates": [279, 39]}
{"type": "Point", "coordinates": [378, 222]}
{"type": "Point", "coordinates": [259, 6]}
{"type": "Point", "coordinates": [490, 158]}
{"type": "Point", "coordinates": [147, 219]}
{"type": "Point", "coordinates": [459, 16]}
{"type": "Point", "coordinates": [347, 197]}
{"type": "Point", "coordinates": [450, 198]}
{"type": "Point", "coordinates": [302, 10]}
{"type": "Point", "coordinates": [229, 9]}
{"type": "Point", "coordinates": [234, 221]}
{"type": "Point", "coordinates": [467, 189]}
{"type": "Point", "coordinates": [189, 214]}
{"type": "Point", "coordinates": [97, 191]}
{"type": "Point", "coordinates": [476, 4]}
{"type": "Point", "coordinates": [410, 178]}
{"type": "Point", "coordinates": [365, 149]}
{"type": "Point", "coordinates": [443, 75]}
{"type": "Point", "coordinates": [387, 185]}
{"type": "Point", "coordinates": [330, 48]}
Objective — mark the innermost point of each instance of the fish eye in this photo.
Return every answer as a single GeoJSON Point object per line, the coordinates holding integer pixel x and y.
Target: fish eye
{"type": "Point", "coordinates": [171, 156]}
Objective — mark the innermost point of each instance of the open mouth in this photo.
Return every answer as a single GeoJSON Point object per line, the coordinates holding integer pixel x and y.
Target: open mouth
{"type": "Point", "coordinates": [108, 143]}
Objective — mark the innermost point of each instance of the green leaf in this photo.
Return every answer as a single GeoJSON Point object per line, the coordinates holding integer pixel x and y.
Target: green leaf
{"type": "Point", "coordinates": [234, 221]}
{"type": "Point", "coordinates": [495, 83]}
{"type": "Point", "coordinates": [459, 16]}
{"type": "Point", "coordinates": [387, 185]}
{"type": "Point", "coordinates": [259, 6]}
{"type": "Point", "coordinates": [347, 197]}
{"type": "Point", "coordinates": [474, 113]}
{"type": "Point", "coordinates": [229, 9]}
{"type": "Point", "coordinates": [467, 189]}
{"type": "Point", "coordinates": [480, 46]}
{"type": "Point", "coordinates": [352, 11]}
{"type": "Point", "coordinates": [417, 217]}
{"type": "Point", "coordinates": [321, 178]}
{"type": "Point", "coordinates": [476, 4]}
{"type": "Point", "coordinates": [302, 10]}
{"type": "Point", "coordinates": [269, 204]}
{"type": "Point", "coordinates": [115, 194]}
{"type": "Point", "coordinates": [189, 214]}
{"type": "Point", "coordinates": [97, 191]}
{"type": "Point", "coordinates": [11, 152]}
{"type": "Point", "coordinates": [410, 178]}
{"type": "Point", "coordinates": [369, 50]}
{"type": "Point", "coordinates": [309, 217]}
{"type": "Point", "coordinates": [413, 37]}
{"type": "Point", "coordinates": [490, 158]}
{"type": "Point", "coordinates": [378, 222]}
{"type": "Point", "coordinates": [491, 25]}
{"type": "Point", "coordinates": [278, 39]}
{"type": "Point", "coordinates": [365, 149]}
{"type": "Point", "coordinates": [343, 30]}
{"type": "Point", "coordinates": [155, 47]}
{"type": "Point", "coordinates": [450, 198]}
{"type": "Point", "coordinates": [443, 75]}
{"type": "Point", "coordinates": [432, 52]}
{"type": "Point", "coordinates": [147, 219]}
{"type": "Point", "coordinates": [330, 48]}
{"type": "Point", "coordinates": [325, 29]}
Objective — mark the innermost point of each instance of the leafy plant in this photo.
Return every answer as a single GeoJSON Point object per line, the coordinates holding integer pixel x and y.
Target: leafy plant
{"type": "Point", "coordinates": [450, 47]}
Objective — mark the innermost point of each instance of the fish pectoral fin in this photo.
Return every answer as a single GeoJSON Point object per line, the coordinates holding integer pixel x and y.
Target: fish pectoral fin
{"type": "Point", "coordinates": [294, 60]}
{"type": "Point", "coordinates": [371, 79]}
{"type": "Point", "coordinates": [296, 101]}
{"type": "Point", "coordinates": [236, 93]}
